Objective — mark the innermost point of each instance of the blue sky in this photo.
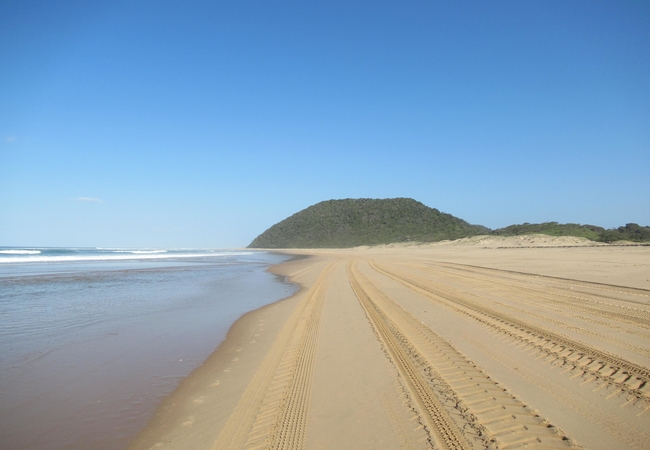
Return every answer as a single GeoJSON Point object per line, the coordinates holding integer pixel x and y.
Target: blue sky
{"type": "Point", "coordinates": [201, 124]}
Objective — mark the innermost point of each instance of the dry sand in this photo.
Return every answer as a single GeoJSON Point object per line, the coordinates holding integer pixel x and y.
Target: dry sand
{"type": "Point", "coordinates": [461, 345]}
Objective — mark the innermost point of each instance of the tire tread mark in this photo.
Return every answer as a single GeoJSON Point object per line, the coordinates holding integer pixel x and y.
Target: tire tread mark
{"type": "Point", "coordinates": [495, 414]}
{"type": "Point", "coordinates": [260, 402]}
{"type": "Point", "coordinates": [519, 311]}
{"type": "Point", "coordinates": [639, 315]}
{"type": "Point", "coordinates": [440, 424]}
{"type": "Point", "coordinates": [620, 429]}
{"type": "Point", "coordinates": [595, 362]}
{"type": "Point", "coordinates": [589, 284]}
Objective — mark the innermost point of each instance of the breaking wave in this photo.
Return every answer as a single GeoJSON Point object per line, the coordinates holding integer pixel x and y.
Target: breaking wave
{"type": "Point", "coordinates": [20, 252]}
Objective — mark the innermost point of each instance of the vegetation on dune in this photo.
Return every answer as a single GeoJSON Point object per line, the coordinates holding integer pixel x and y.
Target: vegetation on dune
{"type": "Point", "coordinates": [630, 232]}
{"type": "Point", "coordinates": [354, 222]}
{"type": "Point", "coordinates": [552, 229]}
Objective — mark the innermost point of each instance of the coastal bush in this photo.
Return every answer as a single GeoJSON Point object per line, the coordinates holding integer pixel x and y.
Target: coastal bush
{"type": "Point", "coordinates": [591, 232]}
{"type": "Point", "coordinates": [630, 232]}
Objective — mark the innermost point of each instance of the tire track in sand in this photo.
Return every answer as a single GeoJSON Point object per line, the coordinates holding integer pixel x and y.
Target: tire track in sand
{"type": "Point", "coordinates": [588, 285]}
{"type": "Point", "coordinates": [537, 302]}
{"type": "Point", "coordinates": [440, 424]}
{"type": "Point", "coordinates": [586, 361]}
{"type": "Point", "coordinates": [603, 418]}
{"type": "Point", "coordinates": [562, 294]}
{"type": "Point", "coordinates": [491, 417]}
{"type": "Point", "coordinates": [272, 412]}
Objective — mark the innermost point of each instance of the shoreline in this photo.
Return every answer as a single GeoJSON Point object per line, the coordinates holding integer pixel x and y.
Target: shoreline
{"type": "Point", "coordinates": [91, 349]}
{"type": "Point", "coordinates": [172, 408]}
{"type": "Point", "coordinates": [324, 367]}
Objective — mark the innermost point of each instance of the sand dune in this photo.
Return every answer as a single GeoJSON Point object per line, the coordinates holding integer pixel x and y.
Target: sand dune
{"type": "Point", "coordinates": [431, 347]}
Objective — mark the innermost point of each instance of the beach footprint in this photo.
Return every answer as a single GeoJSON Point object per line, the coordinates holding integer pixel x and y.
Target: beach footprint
{"type": "Point", "coordinates": [188, 422]}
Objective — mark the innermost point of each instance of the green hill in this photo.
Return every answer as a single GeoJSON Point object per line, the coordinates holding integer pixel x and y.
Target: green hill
{"type": "Point", "coordinates": [354, 222]}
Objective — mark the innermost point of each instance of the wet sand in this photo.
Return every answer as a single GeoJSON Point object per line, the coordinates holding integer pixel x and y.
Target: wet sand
{"type": "Point", "coordinates": [89, 350]}
{"type": "Point", "coordinates": [458, 345]}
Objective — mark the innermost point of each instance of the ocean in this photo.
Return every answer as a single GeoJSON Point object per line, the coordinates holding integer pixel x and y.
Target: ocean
{"type": "Point", "coordinates": [92, 339]}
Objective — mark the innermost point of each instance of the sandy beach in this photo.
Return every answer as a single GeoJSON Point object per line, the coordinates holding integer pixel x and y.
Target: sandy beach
{"type": "Point", "coordinates": [480, 343]}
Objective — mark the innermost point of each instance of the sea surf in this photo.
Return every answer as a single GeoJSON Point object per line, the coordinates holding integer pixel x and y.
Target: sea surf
{"type": "Point", "coordinates": [92, 339]}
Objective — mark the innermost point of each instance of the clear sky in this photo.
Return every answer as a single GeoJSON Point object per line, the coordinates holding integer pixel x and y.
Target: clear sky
{"type": "Point", "coordinates": [202, 123]}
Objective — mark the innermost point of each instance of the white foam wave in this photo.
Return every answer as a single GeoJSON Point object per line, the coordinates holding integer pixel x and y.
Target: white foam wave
{"type": "Point", "coordinates": [20, 252]}
{"type": "Point", "coordinates": [76, 258]}
{"type": "Point", "coordinates": [140, 252]}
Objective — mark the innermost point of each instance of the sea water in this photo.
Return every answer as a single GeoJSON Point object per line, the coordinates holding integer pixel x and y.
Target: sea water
{"type": "Point", "coordinates": [92, 339]}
